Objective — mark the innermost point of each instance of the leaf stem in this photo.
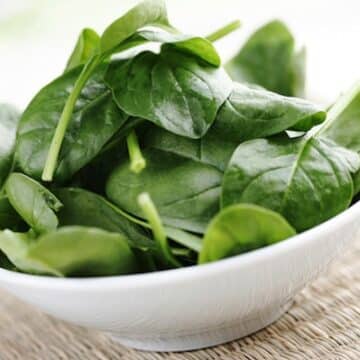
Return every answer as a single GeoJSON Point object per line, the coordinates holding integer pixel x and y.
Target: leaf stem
{"type": "Point", "coordinates": [181, 237]}
{"type": "Point", "coordinates": [157, 228]}
{"type": "Point", "coordinates": [58, 138]}
{"type": "Point", "coordinates": [137, 161]}
{"type": "Point", "coordinates": [224, 31]}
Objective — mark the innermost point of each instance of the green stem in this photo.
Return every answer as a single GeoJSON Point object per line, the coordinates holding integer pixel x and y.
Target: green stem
{"type": "Point", "coordinates": [58, 138]}
{"type": "Point", "coordinates": [137, 161]}
{"type": "Point", "coordinates": [184, 238]}
{"type": "Point", "coordinates": [158, 230]}
{"type": "Point", "coordinates": [181, 237]}
{"type": "Point", "coordinates": [225, 30]}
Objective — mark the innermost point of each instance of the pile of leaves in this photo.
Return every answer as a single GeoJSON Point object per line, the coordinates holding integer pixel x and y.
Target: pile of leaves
{"type": "Point", "coordinates": [135, 160]}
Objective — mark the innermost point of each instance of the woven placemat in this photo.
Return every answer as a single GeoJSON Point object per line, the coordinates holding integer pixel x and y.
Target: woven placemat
{"type": "Point", "coordinates": [323, 323]}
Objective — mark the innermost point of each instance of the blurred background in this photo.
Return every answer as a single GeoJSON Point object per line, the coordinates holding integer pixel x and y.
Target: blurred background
{"type": "Point", "coordinates": [36, 36]}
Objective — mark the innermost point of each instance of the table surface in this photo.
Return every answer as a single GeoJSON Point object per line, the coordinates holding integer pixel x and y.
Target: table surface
{"type": "Point", "coordinates": [324, 322]}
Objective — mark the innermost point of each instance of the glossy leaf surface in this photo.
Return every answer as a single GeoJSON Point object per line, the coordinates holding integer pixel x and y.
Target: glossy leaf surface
{"type": "Point", "coordinates": [241, 228]}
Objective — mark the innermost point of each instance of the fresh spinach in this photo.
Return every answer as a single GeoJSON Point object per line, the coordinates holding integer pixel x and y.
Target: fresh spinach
{"type": "Point", "coordinates": [160, 160]}
{"type": "Point", "coordinates": [251, 113]}
{"type": "Point", "coordinates": [8, 125]}
{"type": "Point", "coordinates": [33, 202]}
{"type": "Point", "coordinates": [269, 59]}
{"type": "Point", "coordinates": [241, 228]}
{"type": "Point", "coordinates": [70, 251]}
{"type": "Point", "coordinates": [95, 121]}
{"type": "Point", "coordinates": [171, 89]}
{"type": "Point", "coordinates": [307, 180]}
{"type": "Point", "coordinates": [84, 208]}
{"type": "Point", "coordinates": [124, 33]}
{"type": "Point", "coordinates": [199, 164]}
{"type": "Point", "coordinates": [185, 191]}
{"type": "Point", "coordinates": [343, 125]}
{"type": "Point", "coordinates": [86, 46]}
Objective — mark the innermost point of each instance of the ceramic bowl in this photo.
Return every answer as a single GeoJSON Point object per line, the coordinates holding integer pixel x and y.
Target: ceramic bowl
{"type": "Point", "coordinates": [194, 307]}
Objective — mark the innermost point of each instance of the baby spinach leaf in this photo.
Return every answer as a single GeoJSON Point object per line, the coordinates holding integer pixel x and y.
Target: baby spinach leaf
{"type": "Point", "coordinates": [84, 208]}
{"type": "Point", "coordinates": [121, 35]}
{"type": "Point", "coordinates": [87, 45]}
{"type": "Point", "coordinates": [269, 59]}
{"type": "Point", "coordinates": [198, 164]}
{"type": "Point", "coordinates": [170, 89]}
{"type": "Point", "coordinates": [148, 22]}
{"type": "Point", "coordinates": [70, 251]}
{"type": "Point", "coordinates": [8, 125]}
{"type": "Point", "coordinates": [241, 228]}
{"type": "Point", "coordinates": [35, 204]}
{"type": "Point", "coordinates": [343, 123]}
{"type": "Point", "coordinates": [307, 180]}
{"type": "Point", "coordinates": [251, 113]}
{"type": "Point", "coordinates": [146, 13]}
{"type": "Point", "coordinates": [95, 120]}
{"type": "Point", "coordinates": [185, 192]}
{"type": "Point", "coordinates": [197, 46]}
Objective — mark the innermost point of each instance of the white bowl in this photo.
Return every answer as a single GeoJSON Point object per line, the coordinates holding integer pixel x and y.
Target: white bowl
{"type": "Point", "coordinates": [194, 307]}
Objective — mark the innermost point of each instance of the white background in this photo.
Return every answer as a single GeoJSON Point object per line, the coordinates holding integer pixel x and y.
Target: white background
{"type": "Point", "coordinates": [36, 36]}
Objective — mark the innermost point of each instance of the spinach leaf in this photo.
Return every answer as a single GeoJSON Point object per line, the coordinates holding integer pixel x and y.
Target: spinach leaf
{"type": "Point", "coordinates": [146, 13]}
{"type": "Point", "coordinates": [198, 164]}
{"type": "Point", "coordinates": [119, 36]}
{"type": "Point", "coordinates": [343, 123]}
{"type": "Point", "coordinates": [70, 251]}
{"type": "Point", "coordinates": [269, 59]}
{"type": "Point", "coordinates": [8, 125]}
{"type": "Point", "coordinates": [250, 113]}
{"type": "Point", "coordinates": [185, 192]}
{"type": "Point", "coordinates": [84, 208]}
{"type": "Point", "coordinates": [170, 89]}
{"type": "Point", "coordinates": [95, 121]}
{"type": "Point", "coordinates": [86, 46]}
{"type": "Point", "coordinates": [35, 204]}
{"type": "Point", "coordinates": [148, 22]}
{"type": "Point", "coordinates": [307, 180]}
{"type": "Point", "coordinates": [241, 228]}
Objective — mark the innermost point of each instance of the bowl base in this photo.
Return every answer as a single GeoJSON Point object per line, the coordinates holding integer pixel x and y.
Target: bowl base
{"type": "Point", "coordinates": [203, 339]}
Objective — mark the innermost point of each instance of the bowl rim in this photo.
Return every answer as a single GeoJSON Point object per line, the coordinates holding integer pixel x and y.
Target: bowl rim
{"type": "Point", "coordinates": [193, 272]}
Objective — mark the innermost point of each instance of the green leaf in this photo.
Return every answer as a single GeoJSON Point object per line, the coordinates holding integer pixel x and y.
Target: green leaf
{"type": "Point", "coordinates": [70, 251]}
{"type": "Point", "coordinates": [241, 228]}
{"type": "Point", "coordinates": [95, 113]}
{"type": "Point", "coordinates": [307, 180]}
{"type": "Point", "coordinates": [86, 46]}
{"type": "Point", "coordinates": [146, 13]}
{"type": "Point", "coordinates": [251, 113]}
{"type": "Point", "coordinates": [35, 204]}
{"type": "Point", "coordinates": [185, 192]}
{"type": "Point", "coordinates": [84, 208]}
{"type": "Point", "coordinates": [170, 89]}
{"type": "Point", "coordinates": [343, 123]}
{"type": "Point", "coordinates": [8, 125]}
{"type": "Point", "coordinates": [269, 59]}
